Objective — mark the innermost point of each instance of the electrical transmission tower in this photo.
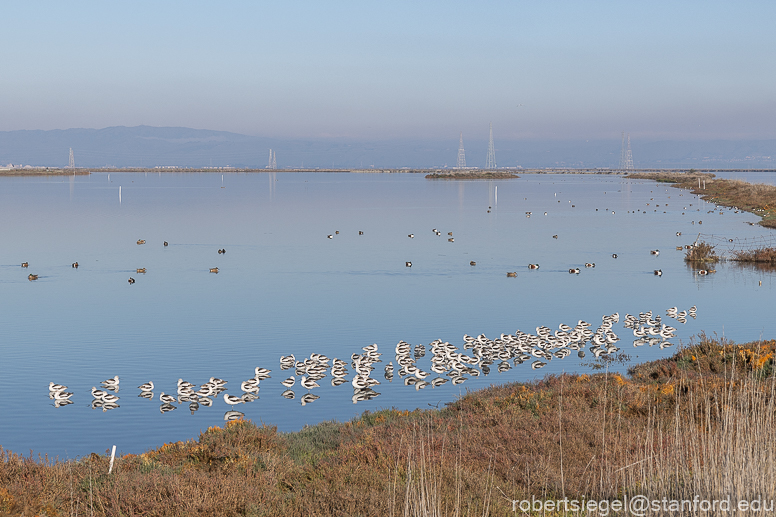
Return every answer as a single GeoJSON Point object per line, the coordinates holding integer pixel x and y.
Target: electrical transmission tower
{"type": "Point", "coordinates": [490, 161]}
{"type": "Point", "coordinates": [622, 152]}
{"type": "Point", "coordinates": [626, 155]}
{"type": "Point", "coordinates": [272, 163]}
{"type": "Point", "coordinates": [461, 155]}
{"type": "Point", "coordinates": [629, 157]}
{"type": "Point", "coordinates": [71, 164]}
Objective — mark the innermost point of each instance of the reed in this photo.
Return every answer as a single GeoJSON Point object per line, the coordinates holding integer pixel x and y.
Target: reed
{"type": "Point", "coordinates": [718, 444]}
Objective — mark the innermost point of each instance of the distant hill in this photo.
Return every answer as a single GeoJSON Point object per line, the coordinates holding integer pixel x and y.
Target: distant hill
{"type": "Point", "coordinates": [145, 146]}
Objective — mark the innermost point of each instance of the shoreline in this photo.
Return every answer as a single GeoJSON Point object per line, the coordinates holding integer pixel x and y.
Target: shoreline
{"type": "Point", "coordinates": [452, 173]}
{"type": "Point", "coordinates": [601, 423]}
{"type": "Point", "coordinates": [755, 198]}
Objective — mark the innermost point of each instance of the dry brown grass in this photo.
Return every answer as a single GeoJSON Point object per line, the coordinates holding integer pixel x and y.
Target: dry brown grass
{"type": "Point", "coordinates": [669, 427]}
{"type": "Point", "coordinates": [672, 177]}
{"type": "Point", "coordinates": [762, 255]}
{"type": "Point", "coordinates": [757, 198]}
{"type": "Point", "coordinates": [701, 252]}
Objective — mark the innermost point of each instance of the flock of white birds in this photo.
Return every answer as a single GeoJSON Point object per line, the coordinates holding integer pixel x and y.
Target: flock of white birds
{"type": "Point", "coordinates": [448, 363]}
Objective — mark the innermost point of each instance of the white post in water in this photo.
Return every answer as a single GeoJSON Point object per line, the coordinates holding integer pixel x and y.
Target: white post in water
{"type": "Point", "coordinates": [704, 184]}
{"type": "Point", "coordinates": [699, 182]}
{"type": "Point", "coordinates": [112, 457]}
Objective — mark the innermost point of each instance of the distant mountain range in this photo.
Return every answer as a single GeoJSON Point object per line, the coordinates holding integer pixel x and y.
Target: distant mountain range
{"type": "Point", "coordinates": [145, 146]}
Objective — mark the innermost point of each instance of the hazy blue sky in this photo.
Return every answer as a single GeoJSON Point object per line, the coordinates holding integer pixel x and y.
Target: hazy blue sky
{"type": "Point", "coordinates": [382, 70]}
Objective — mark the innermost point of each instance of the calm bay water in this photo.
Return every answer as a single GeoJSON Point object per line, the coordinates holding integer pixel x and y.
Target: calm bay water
{"type": "Point", "coordinates": [283, 287]}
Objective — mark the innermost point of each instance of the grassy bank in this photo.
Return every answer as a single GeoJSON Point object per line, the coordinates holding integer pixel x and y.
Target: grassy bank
{"type": "Point", "coordinates": [700, 422]}
{"type": "Point", "coordinates": [672, 177]}
{"type": "Point", "coordinates": [756, 256]}
{"type": "Point", "coordinates": [471, 175]}
{"type": "Point", "coordinates": [757, 198]}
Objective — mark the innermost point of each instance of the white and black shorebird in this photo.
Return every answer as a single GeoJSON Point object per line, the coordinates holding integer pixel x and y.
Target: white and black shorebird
{"type": "Point", "coordinates": [308, 383]}
{"type": "Point", "coordinates": [232, 400]}
{"type": "Point", "coordinates": [111, 384]}
{"type": "Point", "coordinates": [53, 388]}
{"type": "Point", "coordinates": [61, 395]}
{"type": "Point", "coordinates": [262, 373]}
{"type": "Point", "coordinates": [167, 399]}
{"type": "Point", "coordinates": [148, 386]}
{"type": "Point", "coordinates": [250, 386]}
{"type": "Point", "coordinates": [288, 383]}
{"type": "Point", "coordinates": [109, 398]}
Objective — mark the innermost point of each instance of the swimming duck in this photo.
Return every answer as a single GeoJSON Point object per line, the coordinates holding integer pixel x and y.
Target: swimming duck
{"type": "Point", "coordinates": [574, 271]}
{"type": "Point", "coordinates": [360, 232]}
{"type": "Point", "coordinates": [533, 266]}
{"type": "Point", "coordinates": [141, 270]}
{"type": "Point", "coordinates": [141, 241]}
{"type": "Point", "coordinates": [131, 280]}
{"type": "Point", "coordinates": [658, 272]}
{"type": "Point", "coordinates": [165, 243]}
{"type": "Point", "coordinates": [25, 264]}
{"type": "Point", "coordinates": [589, 264]}
{"type": "Point", "coordinates": [214, 270]}
{"type": "Point", "coordinates": [330, 236]}
{"type": "Point", "coordinates": [32, 277]}
{"type": "Point", "coordinates": [472, 263]}
{"type": "Point", "coordinates": [512, 274]}
{"type": "Point", "coordinates": [75, 265]}
{"type": "Point", "coordinates": [408, 264]}
{"type": "Point", "coordinates": [655, 252]}
{"type": "Point", "coordinates": [411, 236]}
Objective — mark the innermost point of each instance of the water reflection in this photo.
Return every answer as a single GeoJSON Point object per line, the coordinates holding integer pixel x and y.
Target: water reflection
{"type": "Point", "coordinates": [233, 415]}
{"type": "Point", "coordinates": [309, 397]}
{"type": "Point", "coordinates": [167, 407]}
